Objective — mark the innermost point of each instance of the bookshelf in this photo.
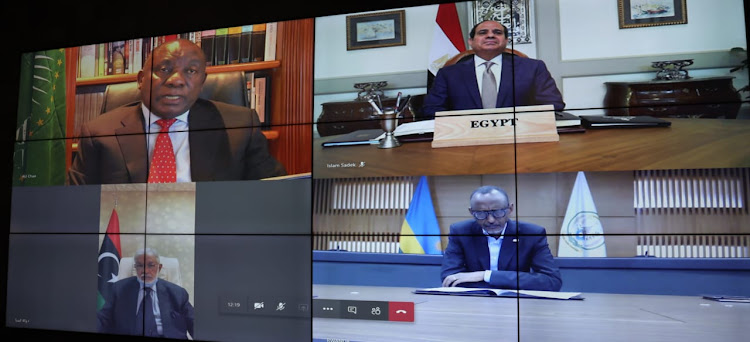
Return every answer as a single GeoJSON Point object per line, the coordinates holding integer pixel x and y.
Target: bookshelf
{"type": "Point", "coordinates": [290, 73]}
{"type": "Point", "coordinates": [111, 79]}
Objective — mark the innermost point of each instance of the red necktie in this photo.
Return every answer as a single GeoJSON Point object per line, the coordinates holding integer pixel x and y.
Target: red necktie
{"type": "Point", "coordinates": [163, 166]}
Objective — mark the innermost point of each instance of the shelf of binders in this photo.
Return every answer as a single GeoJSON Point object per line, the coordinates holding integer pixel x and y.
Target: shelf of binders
{"type": "Point", "coordinates": [109, 79]}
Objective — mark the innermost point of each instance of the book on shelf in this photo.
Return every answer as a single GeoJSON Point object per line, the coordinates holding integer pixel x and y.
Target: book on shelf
{"type": "Point", "coordinates": [245, 46]}
{"type": "Point", "coordinates": [117, 57]}
{"type": "Point", "coordinates": [87, 61]}
{"type": "Point", "coordinates": [208, 46]}
{"type": "Point", "coordinates": [127, 54]}
{"type": "Point", "coordinates": [603, 121]}
{"type": "Point", "coordinates": [258, 42]}
{"type": "Point", "coordinates": [270, 47]}
{"type": "Point", "coordinates": [261, 98]}
{"type": "Point", "coordinates": [196, 37]}
{"type": "Point", "coordinates": [487, 292]}
{"type": "Point", "coordinates": [250, 85]}
{"type": "Point", "coordinates": [233, 44]}
{"type": "Point", "coordinates": [137, 55]}
{"type": "Point", "coordinates": [220, 46]}
{"type": "Point", "coordinates": [101, 59]}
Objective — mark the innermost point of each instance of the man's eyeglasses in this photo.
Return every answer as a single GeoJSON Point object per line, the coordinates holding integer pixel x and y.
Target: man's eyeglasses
{"type": "Point", "coordinates": [150, 266]}
{"type": "Point", "coordinates": [483, 214]}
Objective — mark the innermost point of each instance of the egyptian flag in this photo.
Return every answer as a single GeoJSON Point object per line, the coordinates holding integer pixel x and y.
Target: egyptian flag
{"type": "Point", "coordinates": [447, 40]}
{"type": "Point", "coordinates": [109, 259]}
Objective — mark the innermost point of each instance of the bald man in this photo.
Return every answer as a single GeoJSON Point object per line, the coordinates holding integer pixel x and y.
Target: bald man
{"type": "Point", "coordinates": [211, 141]}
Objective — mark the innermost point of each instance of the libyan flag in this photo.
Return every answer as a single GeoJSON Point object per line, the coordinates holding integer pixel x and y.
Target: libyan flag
{"type": "Point", "coordinates": [109, 259]}
{"type": "Point", "coordinates": [39, 154]}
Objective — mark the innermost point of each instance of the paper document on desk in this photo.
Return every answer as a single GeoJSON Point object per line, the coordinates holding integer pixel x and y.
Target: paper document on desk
{"type": "Point", "coordinates": [485, 292]}
{"type": "Point", "coordinates": [413, 128]}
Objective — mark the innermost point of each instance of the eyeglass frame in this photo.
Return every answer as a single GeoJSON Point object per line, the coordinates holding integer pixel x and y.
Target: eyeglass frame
{"type": "Point", "coordinates": [490, 212]}
{"type": "Point", "coordinates": [147, 266]}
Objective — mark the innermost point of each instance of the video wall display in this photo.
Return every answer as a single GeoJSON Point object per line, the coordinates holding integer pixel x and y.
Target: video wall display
{"type": "Point", "coordinates": [507, 170]}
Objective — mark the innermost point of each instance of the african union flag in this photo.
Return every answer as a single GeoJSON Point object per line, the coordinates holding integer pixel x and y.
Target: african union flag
{"type": "Point", "coordinates": [420, 233]}
{"type": "Point", "coordinates": [39, 154]}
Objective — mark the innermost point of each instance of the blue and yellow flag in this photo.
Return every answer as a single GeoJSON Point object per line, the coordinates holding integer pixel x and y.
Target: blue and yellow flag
{"type": "Point", "coordinates": [420, 233]}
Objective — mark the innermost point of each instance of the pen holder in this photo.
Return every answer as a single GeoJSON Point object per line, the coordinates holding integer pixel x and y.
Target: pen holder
{"type": "Point", "coordinates": [389, 122]}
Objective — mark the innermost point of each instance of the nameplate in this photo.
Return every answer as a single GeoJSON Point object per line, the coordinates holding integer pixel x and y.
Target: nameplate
{"type": "Point", "coordinates": [495, 126]}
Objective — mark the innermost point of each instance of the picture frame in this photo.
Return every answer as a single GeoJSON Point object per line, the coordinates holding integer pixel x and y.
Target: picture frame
{"type": "Point", "coordinates": [646, 13]}
{"type": "Point", "coordinates": [513, 14]}
{"type": "Point", "coordinates": [375, 30]}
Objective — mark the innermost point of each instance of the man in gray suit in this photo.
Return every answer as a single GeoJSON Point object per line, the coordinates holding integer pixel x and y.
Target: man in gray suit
{"type": "Point", "coordinates": [212, 141]}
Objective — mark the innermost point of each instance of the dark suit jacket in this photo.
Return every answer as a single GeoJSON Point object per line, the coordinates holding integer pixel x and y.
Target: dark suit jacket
{"type": "Point", "coordinates": [526, 264]}
{"type": "Point", "coordinates": [455, 86]}
{"type": "Point", "coordinates": [225, 144]}
{"type": "Point", "coordinates": [118, 315]}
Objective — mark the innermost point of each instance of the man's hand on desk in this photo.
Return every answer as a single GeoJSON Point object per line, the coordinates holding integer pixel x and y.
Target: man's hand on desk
{"type": "Point", "coordinates": [463, 277]}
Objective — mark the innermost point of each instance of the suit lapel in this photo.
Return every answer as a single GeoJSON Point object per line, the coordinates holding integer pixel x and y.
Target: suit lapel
{"type": "Point", "coordinates": [206, 133]}
{"type": "Point", "coordinates": [508, 247]}
{"type": "Point", "coordinates": [468, 76]}
{"type": "Point", "coordinates": [132, 143]}
{"type": "Point", "coordinates": [165, 307]}
{"type": "Point", "coordinates": [130, 296]}
{"type": "Point", "coordinates": [504, 95]}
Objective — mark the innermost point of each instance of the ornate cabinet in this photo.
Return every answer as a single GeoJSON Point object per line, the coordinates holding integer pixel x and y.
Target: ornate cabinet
{"type": "Point", "coordinates": [349, 116]}
{"type": "Point", "coordinates": [713, 97]}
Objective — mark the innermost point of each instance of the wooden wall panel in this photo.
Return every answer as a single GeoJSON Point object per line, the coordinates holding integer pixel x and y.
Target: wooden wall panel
{"type": "Point", "coordinates": [292, 95]}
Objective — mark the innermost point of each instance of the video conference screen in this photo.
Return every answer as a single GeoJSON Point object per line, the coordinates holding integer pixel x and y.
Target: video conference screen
{"type": "Point", "coordinates": [366, 176]}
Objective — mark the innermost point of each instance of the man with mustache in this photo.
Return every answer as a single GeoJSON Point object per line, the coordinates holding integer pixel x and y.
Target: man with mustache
{"type": "Point", "coordinates": [145, 305]}
{"type": "Point", "coordinates": [493, 251]}
{"type": "Point", "coordinates": [193, 139]}
{"type": "Point", "coordinates": [491, 79]}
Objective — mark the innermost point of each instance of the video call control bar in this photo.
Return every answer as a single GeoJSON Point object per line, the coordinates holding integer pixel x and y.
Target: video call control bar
{"type": "Point", "coordinates": [264, 306]}
{"type": "Point", "coordinates": [359, 309]}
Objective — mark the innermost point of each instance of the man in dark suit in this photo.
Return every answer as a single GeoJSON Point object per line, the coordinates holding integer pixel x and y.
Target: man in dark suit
{"type": "Point", "coordinates": [211, 141]}
{"type": "Point", "coordinates": [517, 81]}
{"type": "Point", "coordinates": [146, 305]}
{"type": "Point", "coordinates": [493, 251]}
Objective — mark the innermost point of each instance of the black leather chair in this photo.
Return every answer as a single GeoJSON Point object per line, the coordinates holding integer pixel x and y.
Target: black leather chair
{"type": "Point", "coordinates": [228, 87]}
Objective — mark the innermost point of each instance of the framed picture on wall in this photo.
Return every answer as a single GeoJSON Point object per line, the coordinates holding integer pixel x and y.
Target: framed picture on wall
{"type": "Point", "coordinates": [644, 13]}
{"type": "Point", "coordinates": [513, 14]}
{"type": "Point", "coordinates": [374, 30]}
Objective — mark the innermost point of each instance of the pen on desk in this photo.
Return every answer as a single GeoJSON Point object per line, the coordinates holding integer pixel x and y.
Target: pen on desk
{"type": "Point", "coordinates": [377, 109]}
{"type": "Point", "coordinates": [406, 102]}
{"type": "Point", "coordinates": [398, 100]}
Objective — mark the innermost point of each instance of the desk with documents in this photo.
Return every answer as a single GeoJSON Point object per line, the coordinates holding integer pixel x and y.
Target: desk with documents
{"type": "Point", "coordinates": [688, 143]}
{"type": "Point", "coordinates": [599, 317]}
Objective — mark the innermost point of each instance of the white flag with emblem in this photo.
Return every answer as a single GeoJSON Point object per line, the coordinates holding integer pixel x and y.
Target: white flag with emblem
{"type": "Point", "coordinates": [581, 234]}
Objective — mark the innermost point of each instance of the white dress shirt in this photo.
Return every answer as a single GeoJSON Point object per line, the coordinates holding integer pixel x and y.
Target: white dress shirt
{"type": "Point", "coordinates": [494, 246]}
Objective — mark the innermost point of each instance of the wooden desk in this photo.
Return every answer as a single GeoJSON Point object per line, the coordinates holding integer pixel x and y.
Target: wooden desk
{"type": "Point", "coordinates": [689, 143]}
{"type": "Point", "coordinates": [599, 317]}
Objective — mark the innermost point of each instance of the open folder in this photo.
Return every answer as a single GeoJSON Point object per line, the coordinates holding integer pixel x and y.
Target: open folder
{"type": "Point", "coordinates": [483, 292]}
